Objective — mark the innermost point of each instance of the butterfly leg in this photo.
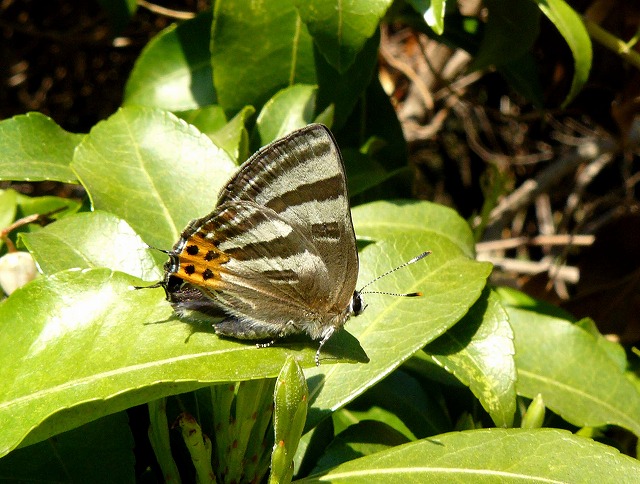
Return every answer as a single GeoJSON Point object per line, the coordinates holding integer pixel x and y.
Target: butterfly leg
{"type": "Point", "coordinates": [326, 334]}
{"type": "Point", "coordinates": [267, 344]}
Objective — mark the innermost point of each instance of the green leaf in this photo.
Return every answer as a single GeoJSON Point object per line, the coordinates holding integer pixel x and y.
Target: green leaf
{"type": "Point", "coordinates": [232, 136]}
{"type": "Point", "coordinates": [574, 374]}
{"type": "Point", "coordinates": [346, 417]}
{"type": "Point", "coordinates": [572, 29]}
{"type": "Point", "coordinates": [340, 29]}
{"type": "Point", "coordinates": [94, 239]}
{"type": "Point", "coordinates": [492, 455]}
{"type": "Point", "coordinates": [56, 207]}
{"type": "Point", "coordinates": [89, 345]}
{"type": "Point", "coordinates": [419, 413]}
{"type": "Point", "coordinates": [521, 300]}
{"type": "Point", "coordinates": [100, 451]}
{"type": "Point", "coordinates": [364, 171]}
{"type": "Point", "coordinates": [45, 204]}
{"type": "Point", "coordinates": [422, 365]}
{"type": "Point", "coordinates": [153, 170]}
{"type": "Point", "coordinates": [479, 352]}
{"type": "Point", "coordinates": [173, 71]}
{"type": "Point", "coordinates": [615, 350]}
{"type": "Point", "coordinates": [290, 109]}
{"type": "Point", "coordinates": [343, 90]}
{"type": "Point", "coordinates": [258, 48]}
{"type": "Point", "coordinates": [208, 119]}
{"type": "Point", "coordinates": [383, 218]}
{"type": "Point", "coordinates": [35, 148]}
{"type": "Point", "coordinates": [510, 32]}
{"type": "Point", "coordinates": [432, 11]}
{"type": "Point", "coordinates": [392, 329]}
{"type": "Point", "coordinates": [378, 119]}
{"type": "Point", "coordinates": [8, 208]}
{"type": "Point", "coordinates": [364, 438]}
{"type": "Point", "coordinates": [311, 447]}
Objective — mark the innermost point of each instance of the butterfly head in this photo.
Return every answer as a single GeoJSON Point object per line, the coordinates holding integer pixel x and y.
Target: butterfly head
{"type": "Point", "coordinates": [357, 305]}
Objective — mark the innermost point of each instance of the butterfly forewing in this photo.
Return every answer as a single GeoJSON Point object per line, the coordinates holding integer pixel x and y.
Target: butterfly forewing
{"type": "Point", "coordinates": [301, 178]}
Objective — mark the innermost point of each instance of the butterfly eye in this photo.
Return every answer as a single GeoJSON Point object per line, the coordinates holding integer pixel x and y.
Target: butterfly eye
{"type": "Point", "coordinates": [357, 303]}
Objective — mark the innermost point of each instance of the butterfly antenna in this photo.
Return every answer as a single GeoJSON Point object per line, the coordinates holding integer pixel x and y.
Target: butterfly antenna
{"type": "Point", "coordinates": [160, 250]}
{"type": "Point", "coordinates": [409, 294]}
{"type": "Point", "coordinates": [159, 283]}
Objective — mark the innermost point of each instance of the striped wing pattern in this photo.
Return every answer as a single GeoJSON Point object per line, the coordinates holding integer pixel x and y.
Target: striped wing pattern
{"type": "Point", "coordinates": [278, 253]}
{"type": "Point", "coordinates": [301, 177]}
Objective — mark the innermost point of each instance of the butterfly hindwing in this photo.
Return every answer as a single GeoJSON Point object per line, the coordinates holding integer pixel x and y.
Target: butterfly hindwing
{"type": "Point", "coordinates": [263, 270]}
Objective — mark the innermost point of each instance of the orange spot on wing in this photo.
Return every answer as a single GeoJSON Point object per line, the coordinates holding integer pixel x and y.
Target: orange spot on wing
{"type": "Point", "coordinates": [201, 267]}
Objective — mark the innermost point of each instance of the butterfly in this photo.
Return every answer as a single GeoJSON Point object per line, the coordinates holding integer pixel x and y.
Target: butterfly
{"type": "Point", "coordinates": [277, 256]}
